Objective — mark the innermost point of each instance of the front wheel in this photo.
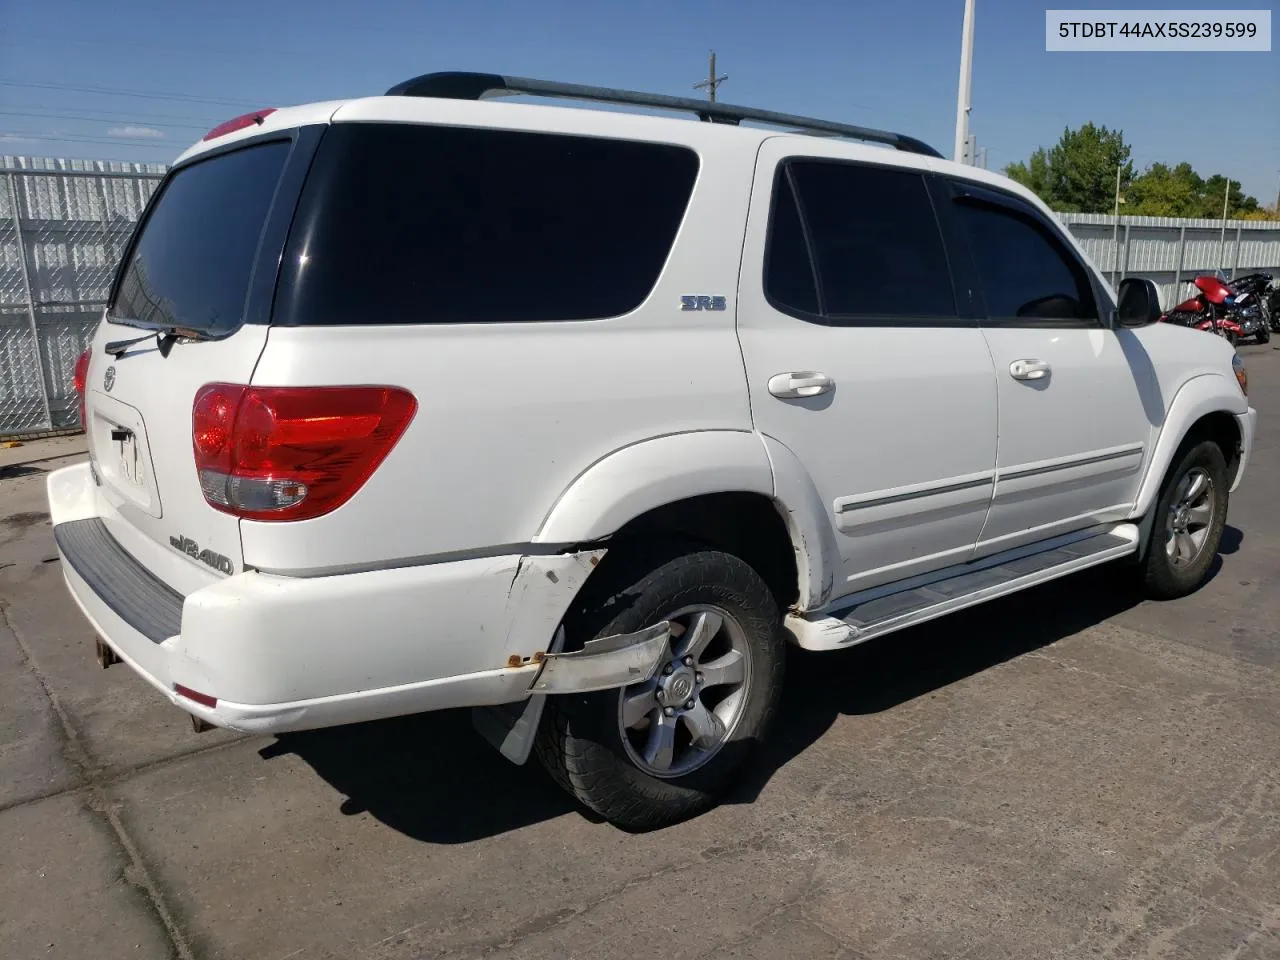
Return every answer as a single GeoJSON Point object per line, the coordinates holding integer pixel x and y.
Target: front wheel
{"type": "Point", "coordinates": [661, 751]}
{"type": "Point", "coordinates": [1190, 517]}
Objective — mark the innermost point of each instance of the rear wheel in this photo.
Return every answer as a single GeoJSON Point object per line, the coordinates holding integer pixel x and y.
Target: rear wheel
{"type": "Point", "coordinates": [1190, 517]}
{"type": "Point", "coordinates": [658, 752]}
{"type": "Point", "coordinates": [1264, 333]}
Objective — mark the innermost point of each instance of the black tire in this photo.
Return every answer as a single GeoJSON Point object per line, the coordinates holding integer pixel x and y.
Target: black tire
{"type": "Point", "coordinates": [1264, 334]}
{"type": "Point", "coordinates": [580, 740]}
{"type": "Point", "coordinates": [1164, 577]}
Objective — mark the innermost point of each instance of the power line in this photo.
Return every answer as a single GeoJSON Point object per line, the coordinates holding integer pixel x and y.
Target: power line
{"type": "Point", "coordinates": [108, 91]}
{"type": "Point", "coordinates": [126, 119]}
{"type": "Point", "coordinates": [19, 136]}
{"type": "Point", "coordinates": [111, 115]}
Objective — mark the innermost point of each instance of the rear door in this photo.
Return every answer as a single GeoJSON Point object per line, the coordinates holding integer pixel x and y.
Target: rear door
{"type": "Point", "coordinates": [861, 359]}
{"type": "Point", "coordinates": [204, 261]}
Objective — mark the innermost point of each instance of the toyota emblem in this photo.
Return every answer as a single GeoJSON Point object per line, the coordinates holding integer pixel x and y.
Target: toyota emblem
{"type": "Point", "coordinates": [109, 379]}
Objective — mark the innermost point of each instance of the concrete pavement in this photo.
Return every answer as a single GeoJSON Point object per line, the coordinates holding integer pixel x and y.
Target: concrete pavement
{"type": "Point", "coordinates": [1065, 773]}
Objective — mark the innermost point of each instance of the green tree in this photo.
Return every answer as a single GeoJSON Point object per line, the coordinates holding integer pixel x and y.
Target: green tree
{"type": "Point", "coordinates": [1078, 175]}
{"type": "Point", "coordinates": [1209, 203]}
{"type": "Point", "coordinates": [1164, 192]}
{"type": "Point", "coordinates": [1034, 174]}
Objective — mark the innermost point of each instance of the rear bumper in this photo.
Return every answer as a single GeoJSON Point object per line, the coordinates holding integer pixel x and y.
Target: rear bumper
{"type": "Point", "coordinates": [282, 653]}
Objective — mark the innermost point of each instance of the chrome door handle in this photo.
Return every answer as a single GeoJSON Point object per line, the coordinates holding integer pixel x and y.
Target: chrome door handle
{"type": "Point", "coordinates": [793, 386]}
{"type": "Point", "coordinates": [1029, 370]}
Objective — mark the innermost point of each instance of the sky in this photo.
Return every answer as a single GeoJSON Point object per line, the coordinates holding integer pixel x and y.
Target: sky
{"type": "Point", "coordinates": [141, 79]}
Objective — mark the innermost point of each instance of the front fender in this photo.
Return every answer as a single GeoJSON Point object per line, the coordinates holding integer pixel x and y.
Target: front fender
{"type": "Point", "coordinates": [1197, 398]}
{"type": "Point", "coordinates": [652, 474]}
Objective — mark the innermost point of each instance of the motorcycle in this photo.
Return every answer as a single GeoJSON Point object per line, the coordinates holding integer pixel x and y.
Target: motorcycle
{"type": "Point", "coordinates": [1252, 306]}
{"type": "Point", "coordinates": [1210, 311]}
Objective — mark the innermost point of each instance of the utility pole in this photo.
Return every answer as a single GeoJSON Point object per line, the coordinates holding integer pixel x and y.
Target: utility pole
{"type": "Point", "coordinates": [712, 80]}
{"type": "Point", "coordinates": [966, 76]}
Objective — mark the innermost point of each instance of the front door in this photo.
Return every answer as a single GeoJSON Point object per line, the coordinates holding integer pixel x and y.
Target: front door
{"type": "Point", "coordinates": [1073, 428]}
{"type": "Point", "coordinates": [859, 361]}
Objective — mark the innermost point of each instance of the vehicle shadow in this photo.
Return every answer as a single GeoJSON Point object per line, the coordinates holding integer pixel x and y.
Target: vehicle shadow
{"type": "Point", "coordinates": [430, 776]}
{"type": "Point", "coordinates": [888, 671]}
{"type": "Point", "coordinates": [433, 778]}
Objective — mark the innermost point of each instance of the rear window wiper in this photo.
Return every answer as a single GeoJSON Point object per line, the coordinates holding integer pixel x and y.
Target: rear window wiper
{"type": "Point", "coordinates": [166, 337]}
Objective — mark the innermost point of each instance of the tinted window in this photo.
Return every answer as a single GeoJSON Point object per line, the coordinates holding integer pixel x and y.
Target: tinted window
{"type": "Point", "coordinates": [192, 263]}
{"type": "Point", "coordinates": [876, 241]}
{"type": "Point", "coordinates": [1024, 271]}
{"type": "Point", "coordinates": [402, 223]}
{"type": "Point", "coordinates": [788, 279]}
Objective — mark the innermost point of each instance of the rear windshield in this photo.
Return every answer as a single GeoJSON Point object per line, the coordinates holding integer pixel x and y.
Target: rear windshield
{"type": "Point", "coordinates": [191, 265]}
{"type": "Point", "coordinates": [402, 223]}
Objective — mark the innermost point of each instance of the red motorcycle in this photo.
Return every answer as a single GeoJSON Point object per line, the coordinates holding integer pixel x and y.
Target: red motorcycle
{"type": "Point", "coordinates": [1210, 311]}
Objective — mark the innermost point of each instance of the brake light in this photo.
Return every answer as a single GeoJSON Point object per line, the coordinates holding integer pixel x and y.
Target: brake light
{"type": "Point", "coordinates": [292, 453]}
{"type": "Point", "coordinates": [239, 123]}
{"type": "Point", "coordinates": [80, 381]}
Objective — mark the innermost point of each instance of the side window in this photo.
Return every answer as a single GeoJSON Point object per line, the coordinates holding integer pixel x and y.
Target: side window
{"type": "Point", "coordinates": [877, 250]}
{"type": "Point", "coordinates": [1025, 272]}
{"type": "Point", "coordinates": [789, 282]}
{"type": "Point", "coordinates": [417, 223]}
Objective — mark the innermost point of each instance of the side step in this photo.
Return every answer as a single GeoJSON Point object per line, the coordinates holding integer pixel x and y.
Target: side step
{"type": "Point", "coordinates": [886, 609]}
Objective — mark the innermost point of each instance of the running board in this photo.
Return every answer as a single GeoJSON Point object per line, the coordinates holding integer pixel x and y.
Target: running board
{"type": "Point", "coordinates": [884, 612]}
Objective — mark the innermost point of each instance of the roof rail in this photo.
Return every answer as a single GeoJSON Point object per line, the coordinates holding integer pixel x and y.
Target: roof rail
{"type": "Point", "coordinates": [477, 86]}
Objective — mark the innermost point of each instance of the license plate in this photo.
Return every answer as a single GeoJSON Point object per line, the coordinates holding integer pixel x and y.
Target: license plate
{"type": "Point", "coordinates": [129, 460]}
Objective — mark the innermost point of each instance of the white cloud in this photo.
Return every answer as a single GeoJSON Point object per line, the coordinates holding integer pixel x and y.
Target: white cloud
{"type": "Point", "coordinates": [133, 131]}
{"type": "Point", "coordinates": [14, 138]}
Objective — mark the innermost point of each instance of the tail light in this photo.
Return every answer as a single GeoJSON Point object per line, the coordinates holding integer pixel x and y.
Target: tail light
{"type": "Point", "coordinates": [80, 380]}
{"type": "Point", "coordinates": [239, 123]}
{"type": "Point", "coordinates": [292, 453]}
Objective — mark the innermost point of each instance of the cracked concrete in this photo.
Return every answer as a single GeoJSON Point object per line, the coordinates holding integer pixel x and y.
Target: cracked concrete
{"type": "Point", "coordinates": [1066, 773]}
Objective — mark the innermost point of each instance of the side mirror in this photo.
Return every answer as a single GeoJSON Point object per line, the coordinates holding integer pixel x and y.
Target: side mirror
{"type": "Point", "coordinates": [1139, 302]}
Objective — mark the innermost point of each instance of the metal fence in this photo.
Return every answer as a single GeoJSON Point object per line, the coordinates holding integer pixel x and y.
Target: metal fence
{"type": "Point", "coordinates": [1174, 251]}
{"type": "Point", "coordinates": [63, 226]}
{"type": "Point", "coordinates": [64, 223]}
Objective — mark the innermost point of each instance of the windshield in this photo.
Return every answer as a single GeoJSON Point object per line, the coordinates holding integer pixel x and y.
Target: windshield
{"type": "Point", "coordinates": [191, 266]}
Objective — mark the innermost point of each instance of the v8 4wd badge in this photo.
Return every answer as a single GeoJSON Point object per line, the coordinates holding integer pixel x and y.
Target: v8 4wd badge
{"type": "Point", "coordinates": [192, 549]}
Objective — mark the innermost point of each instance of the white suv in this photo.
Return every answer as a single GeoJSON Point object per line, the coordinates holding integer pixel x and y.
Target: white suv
{"type": "Point", "coordinates": [579, 416]}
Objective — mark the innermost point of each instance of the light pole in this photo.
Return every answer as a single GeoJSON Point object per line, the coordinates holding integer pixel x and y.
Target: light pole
{"type": "Point", "coordinates": [1115, 230]}
{"type": "Point", "coordinates": [966, 76]}
{"type": "Point", "coordinates": [1222, 242]}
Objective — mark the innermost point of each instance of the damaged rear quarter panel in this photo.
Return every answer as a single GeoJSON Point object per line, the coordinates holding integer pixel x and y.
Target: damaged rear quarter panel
{"type": "Point", "coordinates": [540, 592]}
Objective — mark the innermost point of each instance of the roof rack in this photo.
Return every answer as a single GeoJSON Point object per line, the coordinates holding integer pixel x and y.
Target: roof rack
{"type": "Point", "coordinates": [476, 86]}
